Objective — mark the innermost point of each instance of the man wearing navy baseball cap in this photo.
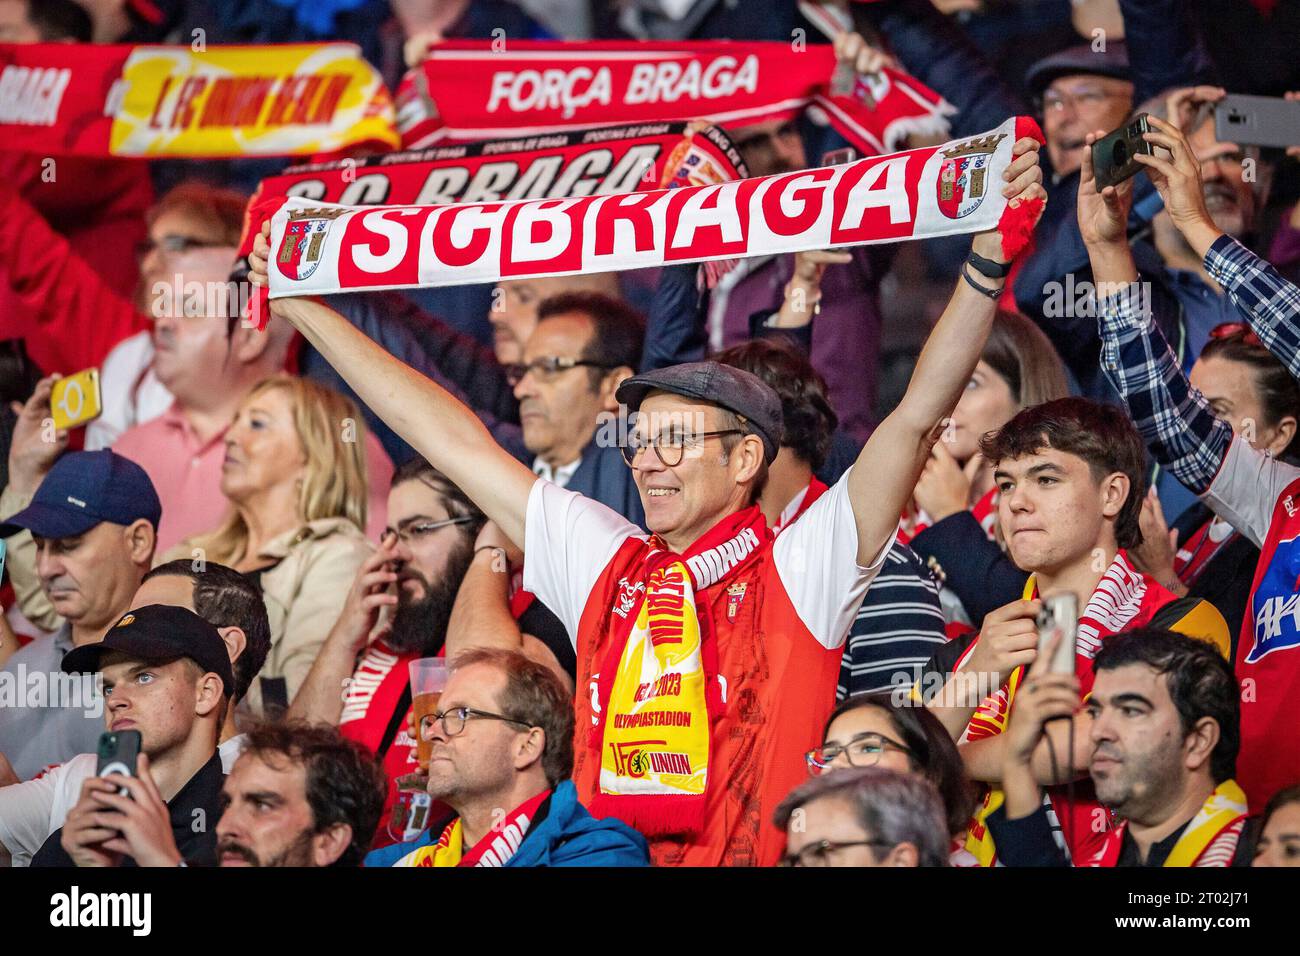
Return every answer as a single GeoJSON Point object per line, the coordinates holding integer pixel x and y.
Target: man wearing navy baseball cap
{"type": "Point", "coordinates": [93, 519]}
{"type": "Point", "coordinates": [167, 675]}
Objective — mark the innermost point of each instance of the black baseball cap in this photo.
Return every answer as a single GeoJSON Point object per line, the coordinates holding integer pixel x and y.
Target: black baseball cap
{"type": "Point", "coordinates": [731, 388]}
{"type": "Point", "coordinates": [83, 489]}
{"type": "Point", "coordinates": [1112, 61]}
{"type": "Point", "coordinates": [160, 633]}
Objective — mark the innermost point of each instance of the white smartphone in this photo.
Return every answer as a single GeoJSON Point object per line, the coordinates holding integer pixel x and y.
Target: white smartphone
{"type": "Point", "coordinates": [1060, 613]}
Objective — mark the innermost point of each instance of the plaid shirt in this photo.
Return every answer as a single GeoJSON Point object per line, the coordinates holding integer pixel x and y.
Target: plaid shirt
{"type": "Point", "coordinates": [1174, 418]}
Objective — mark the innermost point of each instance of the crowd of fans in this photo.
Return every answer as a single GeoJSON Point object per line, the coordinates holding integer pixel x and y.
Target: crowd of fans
{"type": "Point", "coordinates": [807, 630]}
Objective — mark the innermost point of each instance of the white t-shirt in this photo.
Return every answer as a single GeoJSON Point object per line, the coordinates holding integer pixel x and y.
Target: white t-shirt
{"type": "Point", "coordinates": [570, 540]}
{"type": "Point", "coordinates": [1245, 491]}
{"type": "Point", "coordinates": [32, 810]}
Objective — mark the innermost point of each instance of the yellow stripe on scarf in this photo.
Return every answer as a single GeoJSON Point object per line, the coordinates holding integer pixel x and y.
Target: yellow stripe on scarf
{"type": "Point", "coordinates": [446, 852]}
{"type": "Point", "coordinates": [656, 736]}
{"type": "Point", "coordinates": [1224, 805]}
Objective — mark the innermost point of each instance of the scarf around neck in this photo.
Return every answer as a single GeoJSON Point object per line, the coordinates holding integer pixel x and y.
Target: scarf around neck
{"type": "Point", "coordinates": [494, 849]}
{"type": "Point", "coordinates": [1210, 839]}
{"type": "Point", "coordinates": [657, 692]}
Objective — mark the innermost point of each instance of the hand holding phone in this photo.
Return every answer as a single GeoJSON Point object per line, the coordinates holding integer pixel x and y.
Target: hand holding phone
{"type": "Point", "coordinates": [76, 400]}
{"type": "Point", "coordinates": [1112, 155]}
{"type": "Point", "coordinates": [1059, 615]}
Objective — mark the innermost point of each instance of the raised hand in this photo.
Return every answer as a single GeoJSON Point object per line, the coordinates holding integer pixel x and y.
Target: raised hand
{"type": "Point", "coordinates": [1024, 182]}
{"type": "Point", "coordinates": [1103, 216]}
{"type": "Point", "coordinates": [1042, 697]}
{"type": "Point", "coordinates": [30, 455]}
{"type": "Point", "coordinates": [1178, 180]}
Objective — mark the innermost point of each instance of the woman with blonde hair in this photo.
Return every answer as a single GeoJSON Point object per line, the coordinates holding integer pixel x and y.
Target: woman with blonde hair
{"type": "Point", "coordinates": [295, 476]}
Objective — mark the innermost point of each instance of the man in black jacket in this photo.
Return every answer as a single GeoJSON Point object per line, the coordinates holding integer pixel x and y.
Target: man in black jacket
{"type": "Point", "coordinates": [167, 676]}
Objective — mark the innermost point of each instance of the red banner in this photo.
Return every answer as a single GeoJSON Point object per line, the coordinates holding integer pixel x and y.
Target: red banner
{"type": "Point", "coordinates": [226, 101]}
{"type": "Point", "coordinates": [921, 193]}
{"type": "Point", "coordinates": [598, 162]}
{"type": "Point", "coordinates": [466, 90]}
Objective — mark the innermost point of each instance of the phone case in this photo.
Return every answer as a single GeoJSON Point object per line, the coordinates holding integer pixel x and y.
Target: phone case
{"type": "Point", "coordinates": [1257, 121]}
{"type": "Point", "coordinates": [75, 400]}
{"type": "Point", "coordinates": [118, 753]}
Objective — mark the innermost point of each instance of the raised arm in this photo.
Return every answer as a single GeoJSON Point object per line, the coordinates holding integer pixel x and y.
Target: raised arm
{"type": "Point", "coordinates": [431, 420]}
{"type": "Point", "coordinates": [1173, 418]}
{"type": "Point", "coordinates": [885, 473]}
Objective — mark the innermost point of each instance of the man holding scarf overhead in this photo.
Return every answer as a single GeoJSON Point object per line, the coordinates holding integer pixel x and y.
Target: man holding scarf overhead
{"type": "Point", "coordinates": [708, 651]}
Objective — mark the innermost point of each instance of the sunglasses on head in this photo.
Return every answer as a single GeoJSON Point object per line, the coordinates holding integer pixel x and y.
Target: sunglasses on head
{"type": "Point", "coordinates": [1238, 331]}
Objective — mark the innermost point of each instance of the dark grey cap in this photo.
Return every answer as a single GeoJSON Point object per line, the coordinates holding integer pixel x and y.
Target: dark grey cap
{"type": "Point", "coordinates": [1081, 59]}
{"type": "Point", "coordinates": [733, 389]}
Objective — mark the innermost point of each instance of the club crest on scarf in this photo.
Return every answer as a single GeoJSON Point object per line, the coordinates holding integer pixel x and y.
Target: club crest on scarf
{"type": "Point", "coordinates": [304, 237]}
{"type": "Point", "coordinates": [963, 177]}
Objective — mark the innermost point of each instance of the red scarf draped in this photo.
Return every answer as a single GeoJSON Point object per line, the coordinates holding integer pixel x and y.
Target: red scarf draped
{"type": "Point", "coordinates": [656, 784]}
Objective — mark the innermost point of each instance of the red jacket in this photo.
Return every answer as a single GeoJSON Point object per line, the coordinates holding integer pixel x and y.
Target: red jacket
{"type": "Point", "coordinates": [67, 257]}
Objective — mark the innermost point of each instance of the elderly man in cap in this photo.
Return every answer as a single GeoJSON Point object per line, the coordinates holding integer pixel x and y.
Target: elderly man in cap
{"type": "Point", "coordinates": [94, 519]}
{"type": "Point", "coordinates": [167, 676]}
{"type": "Point", "coordinates": [708, 651]}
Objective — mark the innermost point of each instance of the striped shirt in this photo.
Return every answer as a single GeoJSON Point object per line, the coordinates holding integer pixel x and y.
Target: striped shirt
{"type": "Point", "coordinates": [897, 629]}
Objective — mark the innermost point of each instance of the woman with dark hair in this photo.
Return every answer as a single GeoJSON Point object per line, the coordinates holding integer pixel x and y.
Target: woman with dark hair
{"type": "Point", "coordinates": [881, 730]}
{"type": "Point", "coordinates": [1279, 834]}
{"type": "Point", "coordinates": [952, 524]}
{"type": "Point", "coordinates": [1203, 555]}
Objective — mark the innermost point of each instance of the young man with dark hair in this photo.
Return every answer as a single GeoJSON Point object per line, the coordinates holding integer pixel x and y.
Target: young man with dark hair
{"type": "Point", "coordinates": [900, 623]}
{"type": "Point", "coordinates": [864, 816]}
{"type": "Point", "coordinates": [503, 738]}
{"type": "Point", "coordinates": [166, 675]}
{"type": "Point", "coordinates": [1071, 479]}
{"type": "Point", "coordinates": [32, 810]}
{"type": "Point", "coordinates": [1162, 733]}
{"type": "Point", "coordinates": [299, 795]}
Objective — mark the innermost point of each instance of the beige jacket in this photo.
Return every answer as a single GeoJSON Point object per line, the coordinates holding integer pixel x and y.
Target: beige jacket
{"type": "Point", "coordinates": [304, 593]}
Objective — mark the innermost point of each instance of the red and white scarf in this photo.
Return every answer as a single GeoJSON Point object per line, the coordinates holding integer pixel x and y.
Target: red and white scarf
{"type": "Point", "coordinates": [494, 849]}
{"type": "Point", "coordinates": [657, 692]}
{"type": "Point", "coordinates": [955, 188]}
{"type": "Point", "coordinates": [1209, 839]}
{"type": "Point", "coordinates": [474, 89]}
{"type": "Point", "coordinates": [221, 101]}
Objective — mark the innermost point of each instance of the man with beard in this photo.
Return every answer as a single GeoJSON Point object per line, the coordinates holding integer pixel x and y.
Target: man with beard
{"type": "Point", "coordinates": [1162, 721]}
{"type": "Point", "coordinates": [397, 612]}
{"type": "Point", "coordinates": [299, 795]}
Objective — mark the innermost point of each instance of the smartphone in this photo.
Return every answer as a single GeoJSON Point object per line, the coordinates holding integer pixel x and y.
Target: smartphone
{"type": "Point", "coordinates": [1257, 121]}
{"type": "Point", "coordinates": [837, 157]}
{"type": "Point", "coordinates": [75, 400]}
{"type": "Point", "coordinates": [1060, 613]}
{"type": "Point", "coordinates": [1112, 155]}
{"type": "Point", "coordinates": [118, 753]}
